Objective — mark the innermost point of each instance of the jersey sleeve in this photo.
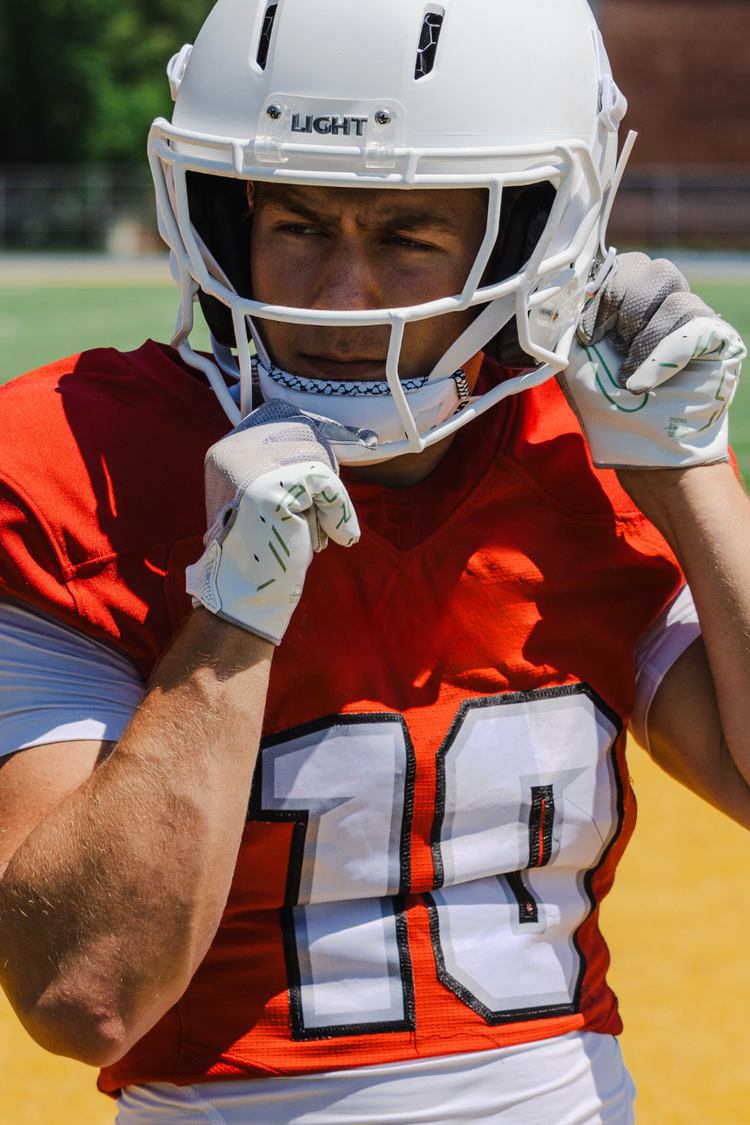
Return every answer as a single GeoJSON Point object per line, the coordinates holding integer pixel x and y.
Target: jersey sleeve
{"type": "Point", "coordinates": [672, 632]}
{"type": "Point", "coordinates": [59, 685]}
{"type": "Point", "coordinates": [30, 564]}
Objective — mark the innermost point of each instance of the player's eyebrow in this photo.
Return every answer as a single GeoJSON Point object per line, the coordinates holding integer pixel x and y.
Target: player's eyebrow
{"type": "Point", "coordinates": [398, 218]}
{"type": "Point", "coordinates": [408, 219]}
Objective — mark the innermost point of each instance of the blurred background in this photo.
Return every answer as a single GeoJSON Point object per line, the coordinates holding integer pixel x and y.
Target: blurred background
{"type": "Point", "coordinates": [84, 78]}
{"type": "Point", "coordinates": [684, 66]}
{"type": "Point", "coordinates": [81, 265]}
{"type": "Point", "coordinates": [81, 80]}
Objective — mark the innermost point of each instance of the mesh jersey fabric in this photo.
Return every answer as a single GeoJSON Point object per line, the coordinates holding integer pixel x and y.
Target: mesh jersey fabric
{"type": "Point", "coordinates": [56, 684]}
{"type": "Point", "coordinates": [487, 618]}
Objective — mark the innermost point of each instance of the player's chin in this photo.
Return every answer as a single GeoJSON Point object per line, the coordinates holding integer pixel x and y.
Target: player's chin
{"type": "Point", "coordinates": [361, 369]}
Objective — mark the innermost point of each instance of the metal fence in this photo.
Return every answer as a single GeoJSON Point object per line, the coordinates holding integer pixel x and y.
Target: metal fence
{"type": "Point", "coordinates": [77, 208]}
{"type": "Point", "coordinates": [94, 208]}
{"type": "Point", "coordinates": [675, 207]}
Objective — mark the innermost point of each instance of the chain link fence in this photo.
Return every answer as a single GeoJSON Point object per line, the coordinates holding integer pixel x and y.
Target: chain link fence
{"type": "Point", "coordinates": [74, 208]}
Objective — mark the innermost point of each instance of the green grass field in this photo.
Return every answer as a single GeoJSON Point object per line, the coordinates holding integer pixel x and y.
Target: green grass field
{"type": "Point", "coordinates": [39, 325]}
{"type": "Point", "coordinates": [732, 302]}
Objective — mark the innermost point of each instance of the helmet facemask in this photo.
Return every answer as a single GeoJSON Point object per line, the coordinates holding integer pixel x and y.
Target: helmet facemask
{"type": "Point", "coordinates": [527, 284]}
{"type": "Point", "coordinates": [222, 218]}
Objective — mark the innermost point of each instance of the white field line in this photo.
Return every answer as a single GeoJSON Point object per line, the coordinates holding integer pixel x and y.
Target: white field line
{"type": "Point", "coordinates": [31, 271]}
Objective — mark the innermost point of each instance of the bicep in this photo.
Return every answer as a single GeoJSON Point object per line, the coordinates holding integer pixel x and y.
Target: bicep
{"type": "Point", "coordinates": [34, 781]}
{"type": "Point", "coordinates": [686, 739]}
{"type": "Point", "coordinates": [65, 699]}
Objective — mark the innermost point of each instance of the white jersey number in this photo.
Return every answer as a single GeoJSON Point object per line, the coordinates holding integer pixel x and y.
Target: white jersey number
{"type": "Point", "coordinates": [528, 803]}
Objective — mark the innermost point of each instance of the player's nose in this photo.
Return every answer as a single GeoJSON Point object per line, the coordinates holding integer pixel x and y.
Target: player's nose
{"type": "Point", "coordinates": [348, 276]}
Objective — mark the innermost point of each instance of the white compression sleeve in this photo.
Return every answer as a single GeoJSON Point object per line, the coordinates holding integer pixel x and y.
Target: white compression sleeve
{"type": "Point", "coordinates": [59, 685]}
{"type": "Point", "coordinates": [675, 628]}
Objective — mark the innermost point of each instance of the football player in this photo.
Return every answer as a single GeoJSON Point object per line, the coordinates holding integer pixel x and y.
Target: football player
{"type": "Point", "coordinates": [321, 835]}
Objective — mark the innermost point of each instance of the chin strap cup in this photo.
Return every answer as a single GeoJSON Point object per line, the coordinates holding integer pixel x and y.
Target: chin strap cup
{"type": "Point", "coordinates": [368, 405]}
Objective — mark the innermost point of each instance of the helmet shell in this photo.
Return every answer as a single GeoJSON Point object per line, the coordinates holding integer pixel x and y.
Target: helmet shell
{"type": "Point", "coordinates": [507, 73]}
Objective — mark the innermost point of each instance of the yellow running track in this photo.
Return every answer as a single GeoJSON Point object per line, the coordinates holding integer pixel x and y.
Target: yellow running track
{"type": "Point", "coordinates": [678, 924]}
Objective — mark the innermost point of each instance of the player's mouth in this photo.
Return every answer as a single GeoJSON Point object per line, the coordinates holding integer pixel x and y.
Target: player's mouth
{"type": "Point", "coordinates": [340, 368]}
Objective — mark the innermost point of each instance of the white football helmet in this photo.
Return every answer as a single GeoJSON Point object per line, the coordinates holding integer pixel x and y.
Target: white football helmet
{"type": "Point", "coordinates": [515, 96]}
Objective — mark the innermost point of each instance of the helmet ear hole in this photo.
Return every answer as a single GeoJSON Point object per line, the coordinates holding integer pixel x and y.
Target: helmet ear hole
{"type": "Point", "coordinates": [221, 216]}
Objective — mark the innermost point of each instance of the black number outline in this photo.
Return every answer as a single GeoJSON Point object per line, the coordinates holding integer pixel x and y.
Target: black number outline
{"type": "Point", "coordinates": [518, 1015]}
{"type": "Point", "coordinates": [300, 1033]}
{"type": "Point", "coordinates": [299, 818]}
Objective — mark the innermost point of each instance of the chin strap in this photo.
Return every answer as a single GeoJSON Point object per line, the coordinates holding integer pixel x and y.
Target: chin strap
{"type": "Point", "coordinates": [367, 405]}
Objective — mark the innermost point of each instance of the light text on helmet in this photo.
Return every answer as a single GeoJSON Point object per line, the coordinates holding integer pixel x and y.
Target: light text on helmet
{"type": "Point", "coordinates": [330, 123]}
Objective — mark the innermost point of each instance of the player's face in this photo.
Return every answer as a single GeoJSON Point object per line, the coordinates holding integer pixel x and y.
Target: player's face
{"type": "Point", "coordinates": [356, 248]}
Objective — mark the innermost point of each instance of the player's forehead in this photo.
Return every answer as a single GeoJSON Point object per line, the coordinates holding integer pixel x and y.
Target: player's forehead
{"type": "Point", "coordinates": [451, 210]}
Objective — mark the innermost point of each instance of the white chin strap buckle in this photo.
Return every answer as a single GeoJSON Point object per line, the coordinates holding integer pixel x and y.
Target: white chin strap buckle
{"type": "Point", "coordinates": [606, 268]}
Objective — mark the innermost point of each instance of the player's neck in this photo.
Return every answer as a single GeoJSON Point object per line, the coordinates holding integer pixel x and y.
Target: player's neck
{"type": "Point", "coordinates": [402, 472]}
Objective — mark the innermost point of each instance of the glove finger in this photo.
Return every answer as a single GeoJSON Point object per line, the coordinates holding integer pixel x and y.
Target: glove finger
{"type": "Point", "coordinates": [319, 495]}
{"type": "Point", "coordinates": [601, 313]}
{"type": "Point", "coordinates": [683, 422]}
{"type": "Point", "coordinates": [318, 537]}
{"type": "Point", "coordinates": [629, 299]}
{"type": "Point", "coordinates": [675, 312]}
{"type": "Point", "coordinates": [658, 282]}
{"type": "Point", "coordinates": [334, 511]}
{"type": "Point", "coordinates": [702, 338]}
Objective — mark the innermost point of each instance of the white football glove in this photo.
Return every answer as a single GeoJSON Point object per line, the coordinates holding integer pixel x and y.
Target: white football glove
{"type": "Point", "coordinates": [666, 405]}
{"type": "Point", "coordinates": [273, 496]}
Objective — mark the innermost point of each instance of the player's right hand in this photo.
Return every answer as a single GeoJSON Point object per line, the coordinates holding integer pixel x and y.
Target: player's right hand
{"type": "Point", "coordinates": [273, 497]}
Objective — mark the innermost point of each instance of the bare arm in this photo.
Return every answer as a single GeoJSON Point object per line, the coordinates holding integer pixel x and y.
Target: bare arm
{"type": "Point", "coordinates": [118, 876]}
{"type": "Point", "coordinates": [699, 723]}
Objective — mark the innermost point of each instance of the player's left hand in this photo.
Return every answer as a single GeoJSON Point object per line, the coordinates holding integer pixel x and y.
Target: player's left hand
{"type": "Point", "coordinates": [654, 370]}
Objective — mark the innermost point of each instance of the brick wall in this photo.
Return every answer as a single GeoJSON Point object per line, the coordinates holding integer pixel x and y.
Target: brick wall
{"type": "Point", "coordinates": [684, 66]}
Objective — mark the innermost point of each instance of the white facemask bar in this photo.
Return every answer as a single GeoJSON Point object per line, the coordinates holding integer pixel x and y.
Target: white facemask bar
{"type": "Point", "coordinates": [561, 163]}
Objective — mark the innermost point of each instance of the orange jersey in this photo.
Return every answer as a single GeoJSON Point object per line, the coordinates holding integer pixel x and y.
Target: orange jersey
{"type": "Point", "coordinates": [441, 795]}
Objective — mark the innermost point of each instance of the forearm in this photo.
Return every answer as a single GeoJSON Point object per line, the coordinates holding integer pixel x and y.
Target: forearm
{"type": "Point", "coordinates": [704, 515]}
{"type": "Point", "coordinates": [110, 904]}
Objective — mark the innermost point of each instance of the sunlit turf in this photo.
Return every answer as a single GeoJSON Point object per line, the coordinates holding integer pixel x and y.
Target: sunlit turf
{"type": "Point", "coordinates": [42, 324]}
{"type": "Point", "coordinates": [732, 302]}
{"type": "Point", "coordinates": [39, 325]}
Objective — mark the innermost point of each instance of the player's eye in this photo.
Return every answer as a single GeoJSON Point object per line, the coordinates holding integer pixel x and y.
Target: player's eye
{"type": "Point", "coordinates": [404, 242]}
{"type": "Point", "coordinates": [302, 230]}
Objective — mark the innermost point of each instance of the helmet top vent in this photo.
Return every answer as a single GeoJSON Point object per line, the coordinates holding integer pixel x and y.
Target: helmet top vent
{"type": "Point", "coordinates": [428, 41]}
{"type": "Point", "coordinates": [265, 36]}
